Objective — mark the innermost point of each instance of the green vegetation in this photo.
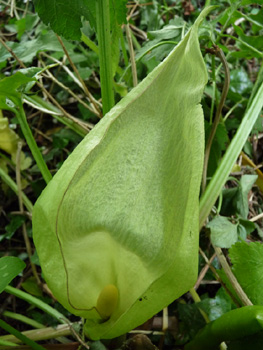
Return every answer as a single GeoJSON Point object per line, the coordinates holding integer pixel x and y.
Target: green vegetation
{"type": "Point", "coordinates": [100, 108]}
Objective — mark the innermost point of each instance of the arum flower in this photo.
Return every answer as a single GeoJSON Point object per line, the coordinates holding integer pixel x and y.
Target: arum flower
{"type": "Point", "coordinates": [116, 230]}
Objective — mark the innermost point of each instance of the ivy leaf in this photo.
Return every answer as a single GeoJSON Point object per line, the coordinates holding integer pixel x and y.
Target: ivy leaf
{"type": "Point", "coordinates": [247, 260]}
{"type": "Point", "coordinates": [10, 267]}
{"type": "Point", "coordinates": [223, 232]}
{"type": "Point", "coordinates": [116, 230]}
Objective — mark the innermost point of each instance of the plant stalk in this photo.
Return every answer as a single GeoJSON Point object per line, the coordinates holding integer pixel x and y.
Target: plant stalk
{"type": "Point", "coordinates": [32, 144]}
{"type": "Point", "coordinates": [41, 334]}
{"type": "Point", "coordinates": [38, 303]}
{"type": "Point", "coordinates": [219, 53]}
{"type": "Point", "coordinates": [9, 181]}
{"type": "Point", "coordinates": [20, 336]}
{"type": "Point", "coordinates": [218, 180]}
{"type": "Point", "coordinates": [132, 55]}
{"type": "Point", "coordinates": [21, 208]}
{"type": "Point", "coordinates": [104, 40]}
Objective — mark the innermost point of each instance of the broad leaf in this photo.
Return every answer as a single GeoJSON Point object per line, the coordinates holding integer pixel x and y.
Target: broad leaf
{"type": "Point", "coordinates": [116, 229]}
{"type": "Point", "coordinates": [223, 232]}
{"type": "Point", "coordinates": [64, 17]}
{"type": "Point", "coordinates": [10, 267]}
{"type": "Point", "coordinates": [10, 94]}
{"type": "Point", "coordinates": [247, 260]}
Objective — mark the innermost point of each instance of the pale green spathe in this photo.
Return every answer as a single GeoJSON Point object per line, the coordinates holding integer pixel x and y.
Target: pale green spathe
{"type": "Point", "coordinates": [123, 209]}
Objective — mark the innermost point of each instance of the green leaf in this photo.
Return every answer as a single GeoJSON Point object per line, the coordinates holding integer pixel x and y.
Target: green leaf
{"type": "Point", "coordinates": [245, 186]}
{"type": "Point", "coordinates": [15, 223]}
{"type": "Point", "coordinates": [253, 341]}
{"type": "Point", "coordinates": [251, 41]}
{"type": "Point", "coordinates": [242, 233]}
{"type": "Point", "coordinates": [256, 86]}
{"type": "Point", "coordinates": [118, 10]}
{"type": "Point", "coordinates": [223, 232]}
{"type": "Point", "coordinates": [235, 324]}
{"type": "Point", "coordinates": [30, 285]}
{"type": "Point", "coordinates": [97, 345]}
{"type": "Point", "coordinates": [10, 267]}
{"type": "Point", "coordinates": [248, 225]}
{"type": "Point", "coordinates": [9, 90]}
{"type": "Point", "coordinates": [246, 2]}
{"type": "Point", "coordinates": [249, 2]}
{"type": "Point", "coordinates": [240, 82]}
{"type": "Point", "coordinates": [118, 224]}
{"type": "Point", "coordinates": [191, 320]}
{"type": "Point", "coordinates": [217, 306]}
{"type": "Point", "coordinates": [65, 17]}
{"type": "Point", "coordinates": [46, 41]}
{"type": "Point", "coordinates": [247, 260]}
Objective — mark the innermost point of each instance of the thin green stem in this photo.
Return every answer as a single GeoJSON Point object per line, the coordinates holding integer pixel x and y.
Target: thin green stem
{"type": "Point", "coordinates": [256, 86]}
{"type": "Point", "coordinates": [234, 282]}
{"type": "Point", "coordinates": [169, 42]}
{"type": "Point", "coordinates": [23, 319]}
{"type": "Point", "coordinates": [20, 336]}
{"type": "Point", "coordinates": [214, 89]}
{"type": "Point", "coordinates": [7, 179]}
{"type": "Point", "coordinates": [233, 7]}
{"type": "Point", "coordinates": [89, 43]}
{"type": "Point", "coordinates": [21, 208]}
{"type": "Point", "coordinates": [218, 180]}
{"type": "Point", "coordinates": [6, 343]}
{"type": "Point", "coordinates": [83, 85]}
{"type": "Point", "coordinates": [62, 330]}
{"type": "Point", "coordinates": [124, 52]}
{"type": "Point", "coordinates": [145, 53]}
{"type": "Point", "coordinates": [32, 144]}
{"type": "Point", "coordinates": [104, 40]}
{"type": "Point", "coordinates": [252, 48]}
{"type": "Point", "coordinates": [232, 109]}
{"type": "Point", "coordinates": [38, 303]}
{"type": "Point", "coordinates": [136, 43]}
{"type": "Point", "coordinates": [197, 299]}
{"type": "Point", "coordinates": [132, 56]}
{"type": "Point", "coordinates": [220, 202]}
{"type": "Point", "coordinates": [194, 295]}
{"type": "Point", "coordinates": [73, 123]}
{"type": "Point", "coordinates": [221, 55]}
